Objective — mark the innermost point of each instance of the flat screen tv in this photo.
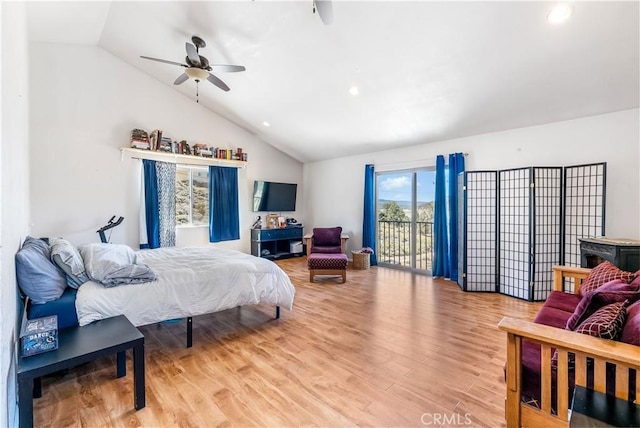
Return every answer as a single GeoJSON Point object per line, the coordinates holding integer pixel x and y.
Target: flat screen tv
{"type": "Point", "coordinates": [270, 196]}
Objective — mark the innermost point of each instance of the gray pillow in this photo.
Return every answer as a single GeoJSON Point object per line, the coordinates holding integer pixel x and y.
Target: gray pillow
{"type": "Point", "coordinates": [111, 264]}
{"type": "Point", "coordinates": [37, 277]}
{"type": "Point", "coordinates": [67, 258]}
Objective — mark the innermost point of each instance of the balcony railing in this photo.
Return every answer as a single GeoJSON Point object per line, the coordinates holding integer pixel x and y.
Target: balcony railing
{"type": "Point", "coordinates": [394, 243]}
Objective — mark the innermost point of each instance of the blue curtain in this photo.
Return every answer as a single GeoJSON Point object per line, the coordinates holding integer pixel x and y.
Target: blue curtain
{"type": "Point", "coordinates": [369, 214]}
{"type": "Point", "coordinates": [456, 166]}
{"type": "Point", "coordinates": [224, 219]}
{"type": "Point", "coordinates": [151, 205]}
{"type": "Point", "coordinates": [440, 236]}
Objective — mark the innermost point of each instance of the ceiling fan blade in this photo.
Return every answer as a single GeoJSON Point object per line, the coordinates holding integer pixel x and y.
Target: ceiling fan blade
{"type": "Point", "coordinates": [192, 53]}
{"type": "Point", "coordinates": [224, 68]}
{"type": "Point", "coordinates": [219, 83]}
{"type": "Point", "coordinates": [164, 60]}
{"type": "Point", "coordinates": [325, 10]}
{"type": "Point", "coordinates": [182, 78]}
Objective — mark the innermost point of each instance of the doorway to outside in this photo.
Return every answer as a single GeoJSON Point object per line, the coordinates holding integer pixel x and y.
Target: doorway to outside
{"type": "Point", "coordinates": [404, 207]}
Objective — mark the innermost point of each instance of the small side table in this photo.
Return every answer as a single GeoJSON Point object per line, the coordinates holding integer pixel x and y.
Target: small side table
{"type": "Point", "coordinates": [79, 345]}
{"type": "Point", "coordinates": [595, 409]}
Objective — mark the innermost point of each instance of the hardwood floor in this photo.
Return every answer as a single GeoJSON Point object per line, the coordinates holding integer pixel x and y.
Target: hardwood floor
{"type": "Point", "coordinates": [387, 348]}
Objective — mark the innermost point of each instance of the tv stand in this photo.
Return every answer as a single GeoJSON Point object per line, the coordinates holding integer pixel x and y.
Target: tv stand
{"type": "Point", "coordinates": [277, 243]}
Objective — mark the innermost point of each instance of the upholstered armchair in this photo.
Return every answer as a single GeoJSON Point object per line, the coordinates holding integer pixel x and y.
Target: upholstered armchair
{"type": "Point", "coordinates": [326, 240]}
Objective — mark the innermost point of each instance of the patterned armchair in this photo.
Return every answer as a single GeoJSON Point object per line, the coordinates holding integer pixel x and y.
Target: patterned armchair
{"type": "Point", "coordinates": [326, 240]}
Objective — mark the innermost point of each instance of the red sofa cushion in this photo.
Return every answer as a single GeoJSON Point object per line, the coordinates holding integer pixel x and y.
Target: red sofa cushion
{"type": "Point", "coordinates": [555, 312]}
{"type": "Point", "coordinates": [631, 329]}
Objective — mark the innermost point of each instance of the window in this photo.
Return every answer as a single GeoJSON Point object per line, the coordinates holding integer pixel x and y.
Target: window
{"type": "Point", "coordinates": [192, 196]}
{"type": "Point", "coordinates": [405, 203]}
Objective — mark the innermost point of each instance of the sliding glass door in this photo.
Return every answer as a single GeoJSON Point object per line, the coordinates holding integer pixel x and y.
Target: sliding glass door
{"type": "Point", "coordinates": [404, 206]}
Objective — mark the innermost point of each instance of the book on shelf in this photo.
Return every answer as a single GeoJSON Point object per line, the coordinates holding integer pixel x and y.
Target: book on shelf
{"type": "Point", "coordinates": [156, 141]}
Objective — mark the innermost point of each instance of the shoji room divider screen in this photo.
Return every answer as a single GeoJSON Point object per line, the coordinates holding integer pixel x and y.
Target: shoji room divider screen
{"type": "Point", "coordinates": [477, 248]}
{"type": "Point", "coordinates": [515, 224]}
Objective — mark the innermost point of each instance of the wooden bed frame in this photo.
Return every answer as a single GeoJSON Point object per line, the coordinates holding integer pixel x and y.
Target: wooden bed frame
{"type": "Point", "coordinates": [624, 356]}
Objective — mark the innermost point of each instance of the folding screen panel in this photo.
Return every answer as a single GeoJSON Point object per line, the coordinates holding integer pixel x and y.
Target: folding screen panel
{"type": "Point", "coordinates": [514, 238]}
{"type": "Point", "coordinates": [584, 207]}
{"type": "Point", "coordinates": [477, 224]}
{"type": "Point", "coordinates": [547, 229]}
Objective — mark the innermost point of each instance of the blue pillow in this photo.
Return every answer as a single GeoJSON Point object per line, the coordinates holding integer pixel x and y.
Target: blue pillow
{"type": "Point", "coordinates": [37, 277]}
{"type": "Point", "coordinates": [67, 258]}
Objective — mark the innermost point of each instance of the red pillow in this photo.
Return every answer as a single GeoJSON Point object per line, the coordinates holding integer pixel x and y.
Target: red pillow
{"type": "Point", "coordinates": [606, 322]}
{"type": "Point", "coordinates": [602, 274]}
{"type": "Point", "coordinates": [611, 292]}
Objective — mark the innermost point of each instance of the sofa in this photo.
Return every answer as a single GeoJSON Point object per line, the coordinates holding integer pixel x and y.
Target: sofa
{"type": "Point", "coordinates": [588, 337]}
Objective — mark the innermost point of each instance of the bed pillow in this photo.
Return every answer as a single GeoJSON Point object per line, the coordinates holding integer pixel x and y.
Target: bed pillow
{"type": "Point", "coordinates": [602, 274]}
{"type": "Point", "coordinates": [111, 265]}
{"type": "Point", "coordinates": [67, 258]}
{"type": "Point", "coordinates": [37, 276]}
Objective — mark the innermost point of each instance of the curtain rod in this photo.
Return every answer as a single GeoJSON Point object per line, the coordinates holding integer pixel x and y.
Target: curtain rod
{"type": "Point", "coordinates": [413, 161]}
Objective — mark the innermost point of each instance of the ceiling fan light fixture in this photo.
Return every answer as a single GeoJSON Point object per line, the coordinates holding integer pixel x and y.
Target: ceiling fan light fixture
{"type": "Point", "coordinates": [559, 13]}
{"type": "Point", "coordinates": [354, 90]}
{"type": "Point", "coordinates": [197, 73]}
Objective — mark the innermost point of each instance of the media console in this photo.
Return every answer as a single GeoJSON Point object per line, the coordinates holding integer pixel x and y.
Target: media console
{"type": "Point", "coordinates": [277, 243]}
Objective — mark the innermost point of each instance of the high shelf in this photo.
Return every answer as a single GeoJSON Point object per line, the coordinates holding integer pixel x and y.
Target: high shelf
{"type": "Point", "coordinates": [277, 243]}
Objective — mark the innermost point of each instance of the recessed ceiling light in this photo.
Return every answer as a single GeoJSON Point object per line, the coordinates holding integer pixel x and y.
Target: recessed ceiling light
{"type": "Point", "coordinates": [354, 90]}
{"type": "Point", "coordinates": [265, 123]}
{"type": "Point", "coordinates": [559, 13]}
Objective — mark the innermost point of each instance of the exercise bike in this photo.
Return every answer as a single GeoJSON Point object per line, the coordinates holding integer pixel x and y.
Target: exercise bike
{"type": "Point", "coordinates": [110, 225]}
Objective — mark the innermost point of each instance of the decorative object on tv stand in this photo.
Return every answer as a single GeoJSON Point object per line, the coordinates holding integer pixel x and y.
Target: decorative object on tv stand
{"type": "Point", "coordinates": [272, 221]}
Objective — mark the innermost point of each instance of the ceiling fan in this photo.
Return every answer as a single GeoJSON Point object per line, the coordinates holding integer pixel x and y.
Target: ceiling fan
{"type": "Point", "coordinates": [197, 67]}
{"type": "Point", "coordinates": [325, 10]}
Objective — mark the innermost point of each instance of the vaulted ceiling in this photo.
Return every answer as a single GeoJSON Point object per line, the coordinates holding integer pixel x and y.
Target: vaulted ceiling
{"type": "Point", "coordinates": [425, 71]}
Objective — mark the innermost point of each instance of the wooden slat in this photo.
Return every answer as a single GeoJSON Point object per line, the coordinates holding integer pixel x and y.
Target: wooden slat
{"type": "Point", "coordinates": [599, 376]}
{"type": "Point", "coordinates": [622, 382]}
{"type": "Point", "coordinates": [535, 418]}
{"type": "Point", "coordinates": [581, 369]}
{"type": "Point", "coordinates": [563, 385]}
{"type": "Point", "coordinates": [546, 378]}
{"type": "Point", "coordinates": [514, 372]}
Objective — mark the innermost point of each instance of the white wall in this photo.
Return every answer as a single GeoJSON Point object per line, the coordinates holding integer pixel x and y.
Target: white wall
{"type": "Point", "coordinates": [334, 188]}
{"type": "Point", "coordinates": [84, 103]}
{"type": "Point", "coordinates": [14, 189]}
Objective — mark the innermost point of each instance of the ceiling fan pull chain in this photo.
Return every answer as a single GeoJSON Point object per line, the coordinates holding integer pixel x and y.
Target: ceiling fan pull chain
{"type": "Point", "coordinates": [197, 93]}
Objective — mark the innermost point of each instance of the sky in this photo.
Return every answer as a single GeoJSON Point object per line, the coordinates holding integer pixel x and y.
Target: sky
{"type": "Point", "coordinates": [396, 186]}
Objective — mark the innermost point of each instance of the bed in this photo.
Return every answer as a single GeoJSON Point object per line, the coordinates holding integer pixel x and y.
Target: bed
{"type": "Point", "coordinates": [188, 282]}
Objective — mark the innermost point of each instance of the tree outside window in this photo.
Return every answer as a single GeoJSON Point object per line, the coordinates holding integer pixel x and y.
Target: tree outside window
{"type": "Point", "coordinates": [192, 196]}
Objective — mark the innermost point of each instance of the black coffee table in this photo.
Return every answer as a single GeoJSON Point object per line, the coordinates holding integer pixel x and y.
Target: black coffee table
{"type": "Point", "coordinates": [79, 345]}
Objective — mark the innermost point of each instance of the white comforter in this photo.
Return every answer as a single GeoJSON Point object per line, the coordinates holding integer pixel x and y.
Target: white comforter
{"type": "Point", "coordinates": [191, 281]}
